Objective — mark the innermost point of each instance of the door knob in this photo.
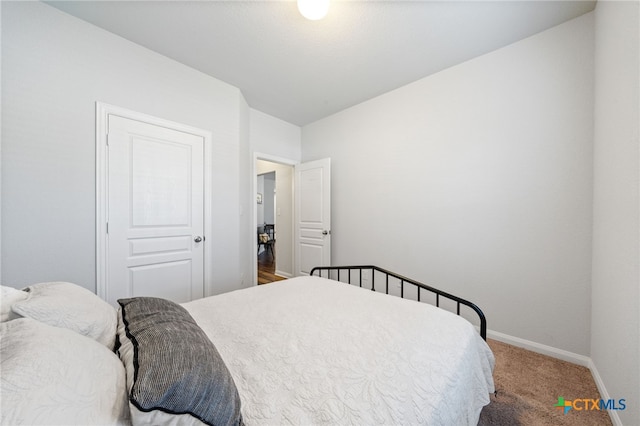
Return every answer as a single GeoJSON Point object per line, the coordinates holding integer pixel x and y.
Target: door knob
{"type": "Point", "coordinates": [197, 239]}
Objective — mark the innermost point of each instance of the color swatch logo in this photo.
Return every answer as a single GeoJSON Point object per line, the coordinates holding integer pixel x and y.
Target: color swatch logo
{"type": "Point", "coordinates": [588, 404]}
{"type": "Point", "coordinates": [563, 405]}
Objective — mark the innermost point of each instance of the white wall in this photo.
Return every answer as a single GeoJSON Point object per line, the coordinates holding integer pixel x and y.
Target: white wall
{"type": "Point", "coordinates": [260, 207]}
{"type": "Point", "coordinates": [275, 137]}
{"type": "Point", "coordinates": [0, 150]}
{"type": "Point", "coordinates": [247, 198]}
{"type": "Point", "coordinates": [269, 197]}
{"type": "Point", "coordinates": [478, 180]}
{"type": "Point", "coordinates": [615, 320]}
{"type": "Point", "coordinates": [54, 68]}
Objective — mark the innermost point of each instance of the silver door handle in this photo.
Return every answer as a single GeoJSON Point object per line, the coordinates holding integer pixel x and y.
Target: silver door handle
{"type": "Point", "coordinates": [197, 239]}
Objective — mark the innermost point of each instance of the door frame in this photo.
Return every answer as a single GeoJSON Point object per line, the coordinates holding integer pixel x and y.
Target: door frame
{"type": "Point", "coordinates": [254, 211]}
{"type": "Point", "coordinates": [103, 111]}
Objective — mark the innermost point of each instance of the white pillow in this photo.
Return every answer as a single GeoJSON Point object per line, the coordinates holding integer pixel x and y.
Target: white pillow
{"type": "Point", "coordinates": [54, 376]}
{"type": "Point", "coordinates": [9, 296]}
{"type": "Point", "coordinates": [70, 306]}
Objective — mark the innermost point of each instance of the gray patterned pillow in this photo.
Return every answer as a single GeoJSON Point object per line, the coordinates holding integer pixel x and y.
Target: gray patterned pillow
{"type": "Point", "coordinates": [174, 372]}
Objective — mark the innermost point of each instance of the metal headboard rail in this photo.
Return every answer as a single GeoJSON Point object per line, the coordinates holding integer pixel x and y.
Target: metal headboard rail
{"type": "Point", "coordinates": [420, 286]}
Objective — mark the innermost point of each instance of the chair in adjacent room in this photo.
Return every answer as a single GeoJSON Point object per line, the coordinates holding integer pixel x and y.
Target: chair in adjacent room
{"type": "Point", "coordinates": [267, 238]}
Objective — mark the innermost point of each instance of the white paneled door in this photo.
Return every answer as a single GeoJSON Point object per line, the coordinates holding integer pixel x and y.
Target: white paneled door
{"type": "Point", "coordinates": [155, 211]}
{"type": "Point", "coordinates": [313, 215]}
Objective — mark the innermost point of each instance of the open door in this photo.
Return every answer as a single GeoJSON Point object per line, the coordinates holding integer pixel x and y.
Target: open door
{"type": "Point", "coordinates": [313, 215]}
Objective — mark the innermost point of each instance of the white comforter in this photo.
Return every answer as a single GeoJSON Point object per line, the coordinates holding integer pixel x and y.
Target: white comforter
{"type": "Point", "coordinates": [313, 351]}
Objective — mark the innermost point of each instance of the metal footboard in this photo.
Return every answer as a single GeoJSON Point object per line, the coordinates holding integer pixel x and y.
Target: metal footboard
{"type": "Point", "coordinates": [368, 273]}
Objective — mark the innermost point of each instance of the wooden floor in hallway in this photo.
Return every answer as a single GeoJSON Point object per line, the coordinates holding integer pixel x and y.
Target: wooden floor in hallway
{"type": "Point", "coordinates": [267, 268]}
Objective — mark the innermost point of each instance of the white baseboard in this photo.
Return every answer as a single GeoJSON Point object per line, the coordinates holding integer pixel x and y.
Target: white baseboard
{"type": "Point", "coordinates": [604, 394]}
{"type": "Point", "coordinates": [540, 348]}
{"type": "Point", "coordinates": [283, 274]}
{"type": "Point", "coordinates": [572, 357]}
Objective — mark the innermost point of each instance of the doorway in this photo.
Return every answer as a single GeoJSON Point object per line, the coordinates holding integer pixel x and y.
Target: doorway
{"type": "Point", "coordinates": [274, 221]}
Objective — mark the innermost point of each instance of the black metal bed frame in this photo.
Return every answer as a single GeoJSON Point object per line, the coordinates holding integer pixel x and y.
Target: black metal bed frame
{"type": "Point", "coordinates": [403, 280]}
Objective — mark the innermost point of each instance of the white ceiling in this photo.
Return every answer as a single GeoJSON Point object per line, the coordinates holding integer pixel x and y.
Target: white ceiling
{"type": "Point", "coordinates": [301, 71]}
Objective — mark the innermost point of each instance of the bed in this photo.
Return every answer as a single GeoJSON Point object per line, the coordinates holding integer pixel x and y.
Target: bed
{"type": "Point", "coordinates": [307, 350]}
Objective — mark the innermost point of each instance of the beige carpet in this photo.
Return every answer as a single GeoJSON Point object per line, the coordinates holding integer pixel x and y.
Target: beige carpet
{"type": "Point", "coordinates": [529, 385]}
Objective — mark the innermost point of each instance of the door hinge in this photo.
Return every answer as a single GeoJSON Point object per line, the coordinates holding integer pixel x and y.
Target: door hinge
{"type": "Point", "coordinates": [107, 227]}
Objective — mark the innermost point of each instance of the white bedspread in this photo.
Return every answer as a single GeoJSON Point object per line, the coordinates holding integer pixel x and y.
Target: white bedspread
{"type": "Point", "coordinates": [313, 351]}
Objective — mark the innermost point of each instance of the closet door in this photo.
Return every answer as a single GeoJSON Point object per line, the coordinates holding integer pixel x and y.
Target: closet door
{"type": "Point", "coordinates": [155, 239]}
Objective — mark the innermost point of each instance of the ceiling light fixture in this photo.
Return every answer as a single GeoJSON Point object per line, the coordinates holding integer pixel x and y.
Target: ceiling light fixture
{"type": "Point", "coordinates": [313, 9]}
